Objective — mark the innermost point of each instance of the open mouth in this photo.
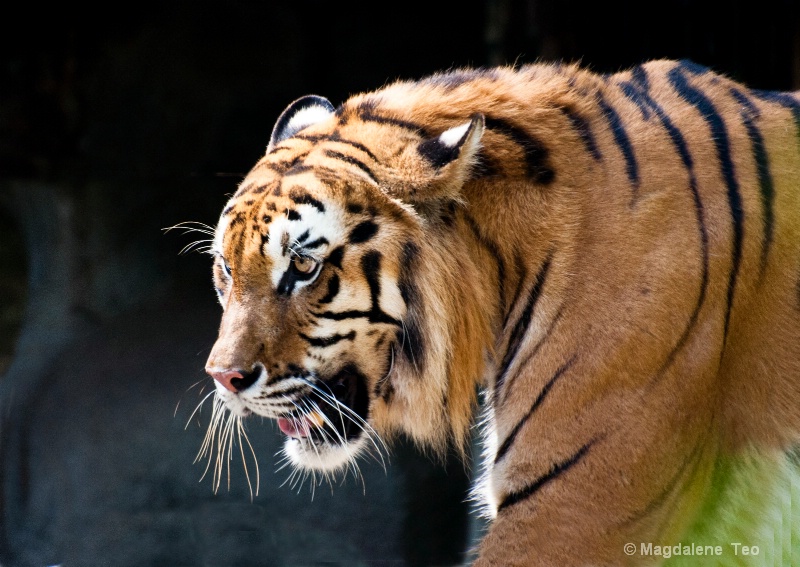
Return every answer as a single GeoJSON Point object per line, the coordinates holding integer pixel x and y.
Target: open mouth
{"type": "Point", "coordinates": [334, 412]}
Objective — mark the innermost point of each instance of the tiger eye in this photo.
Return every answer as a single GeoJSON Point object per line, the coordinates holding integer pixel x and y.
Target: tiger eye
{"type": "Point", "coordinates": [304, 264]}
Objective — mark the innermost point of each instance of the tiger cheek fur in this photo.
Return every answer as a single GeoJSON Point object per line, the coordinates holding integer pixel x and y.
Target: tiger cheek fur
{"type": "Point", "coordinates": [614, 259]}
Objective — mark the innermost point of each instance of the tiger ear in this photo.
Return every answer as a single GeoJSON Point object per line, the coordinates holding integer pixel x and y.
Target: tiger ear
{"type": "Point", "coordinates": [444, 163]}
{"type": "Point", "coordinates": [302, 113]}
{"type": "Point", "coordinates": [459, 143]}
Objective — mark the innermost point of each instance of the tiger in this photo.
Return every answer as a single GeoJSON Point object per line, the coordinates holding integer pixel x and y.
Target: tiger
{"type": "Point", "coordinates": [601, 272]}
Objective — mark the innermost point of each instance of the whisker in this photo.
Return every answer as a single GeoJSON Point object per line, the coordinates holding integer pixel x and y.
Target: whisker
{"type": "Point", "coordinates": [207, 446]}
{"type": "Point", "coordinates": [197, 244]}
{"type": "Point", "coordinates": [191, 226]}
{"type": "Point", "coordinates": [243, 433]}
{"type": "Point", "coordinates": [199, 405]}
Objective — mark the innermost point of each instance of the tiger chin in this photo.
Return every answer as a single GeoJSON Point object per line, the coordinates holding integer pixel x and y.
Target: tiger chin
{"type": "Point", "coordinates": [614, 260]}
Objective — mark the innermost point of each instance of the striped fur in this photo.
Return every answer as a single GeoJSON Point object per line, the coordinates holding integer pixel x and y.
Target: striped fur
{"type": "Point", "coordinates": [614, 259]}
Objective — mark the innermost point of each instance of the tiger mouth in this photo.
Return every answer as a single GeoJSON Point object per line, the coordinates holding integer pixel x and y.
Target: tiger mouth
{"type": "Point", "coordinates": [334, 412]}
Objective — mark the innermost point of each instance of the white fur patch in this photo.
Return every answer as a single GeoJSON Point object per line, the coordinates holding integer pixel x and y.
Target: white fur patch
{"type": "Point", "coordinates": [219, 233]}
{"type": "Point", "coordinates": [306, 117]}
{"type": "Point", "coordinates": [331, 458]}
{"type": "Point", "coordinates": [327, 225]}
{"type": "Point", "coordinates": [453, 136]}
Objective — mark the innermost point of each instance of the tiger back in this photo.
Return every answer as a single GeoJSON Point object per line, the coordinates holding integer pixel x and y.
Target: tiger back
{"type": "Point", "coordinates": [614, 259]}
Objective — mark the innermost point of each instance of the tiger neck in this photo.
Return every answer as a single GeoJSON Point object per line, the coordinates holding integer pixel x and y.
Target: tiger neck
{"type": "Point", "coordinates": [472, 278]}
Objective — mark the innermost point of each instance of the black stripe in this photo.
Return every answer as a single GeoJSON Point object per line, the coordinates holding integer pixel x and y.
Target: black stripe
{"type": "Point", "coordinates": [335, 137]}
{"type": "Point", "coordinates": [296, 170]}
{"type": "Point", "coordinates": [506, 445]}
{"type": "Point", "coordinates": [316, 243]}
{"type": "Point", "coordinates": [302, 197]}
{"type": "Point", "coordinates": [410, 336]}
{"type": "Point", "coordinates": [313, 138]}
{"type": "Point", "coordinates": [494, 252]}
{"type": "Point", "coordinates": [281, 166]}
{"type": "Point", "coordinates": [484, 165]}
{"type": "Point", "coordinates": [521, 326]}
{"type": "Point", "coordinates": [522, 274]}
{"type": "Point", "coordinates": [371, 266]}
{"type": "Point", "coordinates": [303, 237]}
{"type": "Point", "coordinates": [509, 382]}
{"type": "Point", "coordinates": [366, 112]}
{"type": "Point", "coordinates": [372, 315]}
{"type": "Point", "coordinates": [243, 189]}
{"type": "Point", "coordinates": [352, 161]}
{"type": "Point", "coordinates": [288, 391]}
{"type": "Point", "coordinates": [293, 215]}
{"type": "Point", "coordinates": [636, 95]}
{"type": "Point", "coordinates": [448, 214]}
{"type": "Point", "coordinates": [536, 153]}
{"type": "Point", "coordinates": [749, 115]}
{"type": "Point", "coordinates": [639, 75]}
{"type": "Point", "coordinates": [555, 471]}
{"type": "Point", "coordinates": [362, 232]}
{"type": "Point", "coordinates": [642, 87]}
{"type": "Point", "coordinates": [328, 341]}
{"type": "Point", "coordinates": [336, 256]}
{"type": "Point", "coordinates": [238, 219]}
{"type": "Point", "coordinates": [622, 141]}
{"type": "Point", "coordinates": [693, 68]}
{"type": "Point", "coordinates": [581, 126]}
{"type": "Point", "coordinates": [719, 134]}
{"type": "Point", "coordinates": [785, 100]}
{"type": "Point", "coordinates": [333, 289]}
{"type": "Point", "coordinates": [678, 140]}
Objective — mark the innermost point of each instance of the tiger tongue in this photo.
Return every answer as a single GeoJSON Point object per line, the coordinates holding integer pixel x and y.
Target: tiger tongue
{"type": "Point", "coordinates": [295, 427]}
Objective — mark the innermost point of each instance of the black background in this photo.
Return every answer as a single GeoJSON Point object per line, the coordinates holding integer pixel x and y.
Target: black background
{"type": "Point", "coordinates": [120, 120]}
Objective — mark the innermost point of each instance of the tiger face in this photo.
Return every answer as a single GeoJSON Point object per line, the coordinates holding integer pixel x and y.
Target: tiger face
{"type": "Point", "coordinates": [312, 262]}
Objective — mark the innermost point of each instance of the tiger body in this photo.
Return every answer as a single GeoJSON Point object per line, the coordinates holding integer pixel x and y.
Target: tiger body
{"type": "Point", "coordinates": [614, 259]}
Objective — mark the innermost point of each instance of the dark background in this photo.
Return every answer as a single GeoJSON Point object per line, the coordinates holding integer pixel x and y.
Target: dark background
{"type": "Point", "coordinates": [119, 121]}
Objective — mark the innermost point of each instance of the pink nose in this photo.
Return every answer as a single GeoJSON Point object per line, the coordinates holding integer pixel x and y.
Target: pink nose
{"type": "Point", "coordinates": [226, 378]}
{"type": "Point", "coordinates": [235, 380]}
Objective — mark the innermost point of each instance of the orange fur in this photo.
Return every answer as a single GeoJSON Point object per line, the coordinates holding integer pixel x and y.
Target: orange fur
{"type": "Point", "coordinates": [574, 253]}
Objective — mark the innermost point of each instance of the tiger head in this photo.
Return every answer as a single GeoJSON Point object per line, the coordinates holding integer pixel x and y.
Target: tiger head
{"type": "Point", "coordinates": [339, 307]}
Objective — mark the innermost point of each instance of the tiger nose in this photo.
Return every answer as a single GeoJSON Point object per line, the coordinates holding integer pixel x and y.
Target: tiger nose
{"type": "Point", "coordinates": [235, 380]}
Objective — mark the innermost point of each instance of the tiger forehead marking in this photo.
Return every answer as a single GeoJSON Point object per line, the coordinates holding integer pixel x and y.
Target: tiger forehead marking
{"type": "Point", "coordinates": [612, 259]}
